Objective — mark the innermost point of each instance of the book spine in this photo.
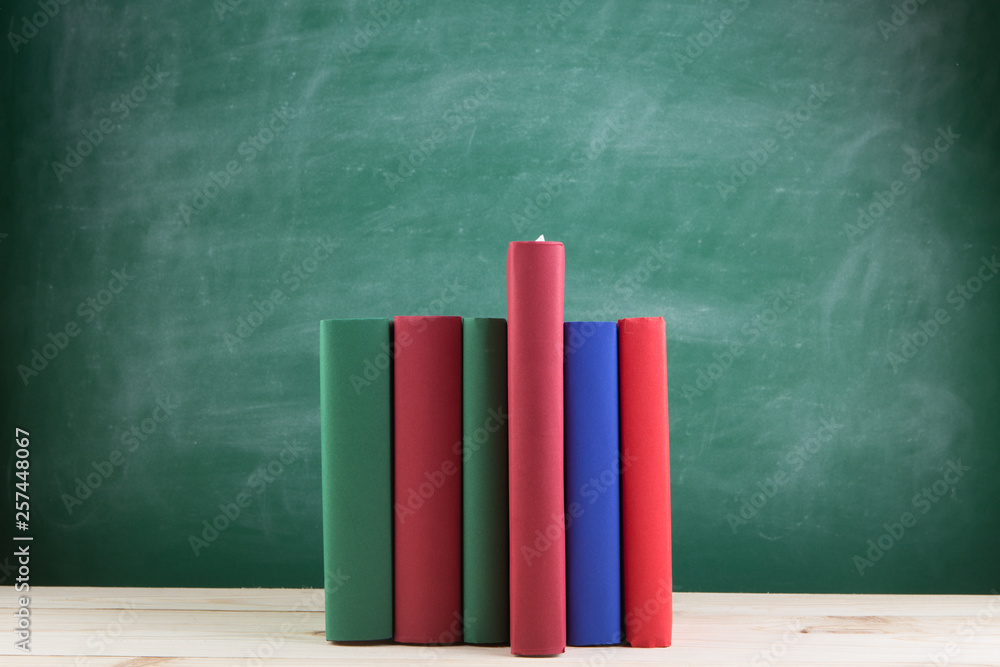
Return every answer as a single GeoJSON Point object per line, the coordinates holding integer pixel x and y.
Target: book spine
{"type": "Point", "coordinates": [535, 292]}
{"type": "Point", "coordinates": [593, 508]}
{"type": "Point", "coordinates": [642, 346]}
{"type": "Point", "coordinates": [356, 470]}
{"type": "Point", "coordinates": [428, 479]}
{"type": "Point", "coordinates": [485, 539]}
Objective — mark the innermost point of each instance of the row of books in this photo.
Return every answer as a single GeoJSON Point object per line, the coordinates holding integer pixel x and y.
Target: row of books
{"type": "Point", "coordinates": [497, 481]}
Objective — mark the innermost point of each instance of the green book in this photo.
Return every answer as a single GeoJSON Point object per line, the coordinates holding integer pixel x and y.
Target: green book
{"type": "Point", "coordinates": [355, 359]}
{"type": "Point", "coordinates": [485, 532]}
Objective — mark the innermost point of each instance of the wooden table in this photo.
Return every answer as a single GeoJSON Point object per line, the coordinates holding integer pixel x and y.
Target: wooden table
{"type": "Point", "coordinates": [100, 627]}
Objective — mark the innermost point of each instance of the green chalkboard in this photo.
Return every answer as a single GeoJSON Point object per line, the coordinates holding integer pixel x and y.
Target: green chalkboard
{"type": "Point", "coordinates": [807, 191]}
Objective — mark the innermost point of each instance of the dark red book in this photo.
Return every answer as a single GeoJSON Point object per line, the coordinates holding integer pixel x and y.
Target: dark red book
{"type": "Point", "coordinates": [427, 467]}
{"type": "Point", "coordinates": [646, 555]}
{"type": "Point", "coordinates": [535, 290]}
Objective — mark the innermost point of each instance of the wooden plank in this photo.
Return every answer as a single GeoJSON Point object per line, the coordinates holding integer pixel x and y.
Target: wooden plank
{"type": "Point", "coordinates": [255, 599]}
{"type": "Point", "coordinates": [103, 627]}
{"type": "Point", "coordinates": [203, 599]}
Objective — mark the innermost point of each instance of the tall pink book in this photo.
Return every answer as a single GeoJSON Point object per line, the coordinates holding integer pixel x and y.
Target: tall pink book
{"type": "Point", "coordinates": [535, 294]}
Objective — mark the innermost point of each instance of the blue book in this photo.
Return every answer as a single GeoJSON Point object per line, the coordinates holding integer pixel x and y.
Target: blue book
{"type": "Point", "coordinates": [593, 516]}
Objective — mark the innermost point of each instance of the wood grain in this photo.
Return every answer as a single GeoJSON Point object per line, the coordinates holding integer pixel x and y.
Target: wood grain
{"type": "Point", "coordinates": [196, 627]}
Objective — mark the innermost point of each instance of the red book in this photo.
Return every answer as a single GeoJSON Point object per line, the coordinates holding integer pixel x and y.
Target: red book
{"type": "Point", "coordinates": [427, 467]}
{"type": "Point", "coordinates": [535, 289]}
{"type": "Point", "coordinates": [646, 563]}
